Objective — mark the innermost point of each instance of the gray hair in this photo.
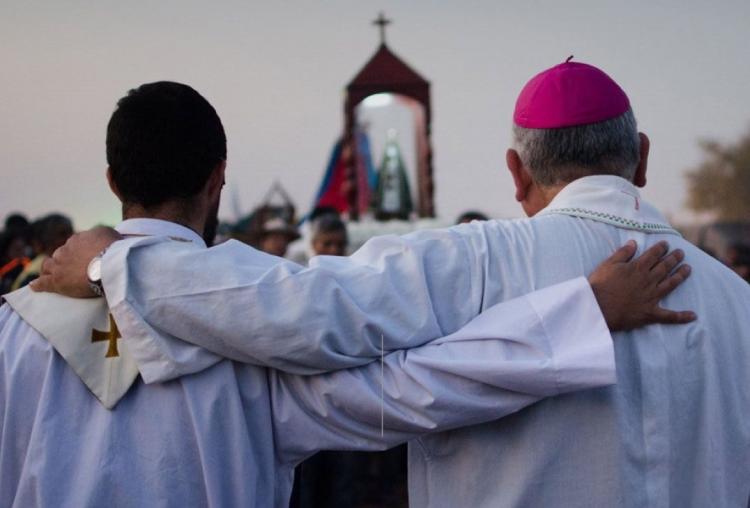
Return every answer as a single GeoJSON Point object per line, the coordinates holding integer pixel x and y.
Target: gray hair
{"type": "Point", "coordinates": [554, 156]}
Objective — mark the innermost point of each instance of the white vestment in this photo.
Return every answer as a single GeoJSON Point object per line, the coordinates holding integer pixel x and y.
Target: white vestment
{"type": "Point", "coordinates": [231, 434]}
{"type": "Point", "coordinates": [675, 431]}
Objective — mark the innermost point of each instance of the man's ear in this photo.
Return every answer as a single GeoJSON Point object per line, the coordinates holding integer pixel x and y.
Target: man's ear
{"type": "Point", "coordinates": [640, 172]}
{"type": "Point", "coordinates": [113, 185]}
{"type": "Point", "coordinates": [216, 180]}
{"type": "Point", "coordinates": [521, 177]}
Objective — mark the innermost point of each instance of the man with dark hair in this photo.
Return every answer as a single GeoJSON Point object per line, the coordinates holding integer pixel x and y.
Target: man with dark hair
{"type": "Point", "coordinates": [15, 223]}
{"type": "Point", "coordinates": [471, 215]}
{"type": "Point", "coordinates": [301, 250]}
{"type": "Point", "coordinates": [14, 250]}
{"type": "Point", "coordinates": [738, 259]}
{"type": "Point", "coordinates": [151, 164]}
{"type": "Point", "coordinates": [224, 434]}
{"type": "Point", "coordinates": [47, 234]}
{"type": "Point", "coordinates": [329, 236]}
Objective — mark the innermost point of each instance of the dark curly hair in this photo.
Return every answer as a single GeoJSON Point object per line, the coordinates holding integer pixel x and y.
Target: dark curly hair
{"type": "Point", "coordinates": [163, 141]}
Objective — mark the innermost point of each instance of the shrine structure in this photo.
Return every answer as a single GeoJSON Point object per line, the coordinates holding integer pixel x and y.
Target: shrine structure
{"type": "Point", "coordinates": [387, 73]}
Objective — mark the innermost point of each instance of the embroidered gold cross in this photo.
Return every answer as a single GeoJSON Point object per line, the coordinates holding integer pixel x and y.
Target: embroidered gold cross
{"type": "Point", "coordinates": [112, 335]}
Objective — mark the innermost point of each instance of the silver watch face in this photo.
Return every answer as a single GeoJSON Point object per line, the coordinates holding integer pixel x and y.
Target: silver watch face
{"type": "Point", "coordinates": [94, 270]}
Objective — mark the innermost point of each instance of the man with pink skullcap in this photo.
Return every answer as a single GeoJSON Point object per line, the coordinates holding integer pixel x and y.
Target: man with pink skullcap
{"type": "Point", "coordinates": [673, 431]}
{"type": "Point", "coordinates": [567, 95]}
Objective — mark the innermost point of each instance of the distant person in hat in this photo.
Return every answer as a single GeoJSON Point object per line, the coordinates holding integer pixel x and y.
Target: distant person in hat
{"type": "Point", "coordinates": [275, 236]}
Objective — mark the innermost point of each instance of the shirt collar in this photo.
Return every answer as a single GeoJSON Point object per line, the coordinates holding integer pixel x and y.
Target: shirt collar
{"type": "Point", "coordinates": [158, 227]}
{"type": "Point", "coordinates": [609, 199]}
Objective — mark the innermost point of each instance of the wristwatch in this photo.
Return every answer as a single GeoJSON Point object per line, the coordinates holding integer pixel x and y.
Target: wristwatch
{"type": "Point", "coordinates": [94, 274]}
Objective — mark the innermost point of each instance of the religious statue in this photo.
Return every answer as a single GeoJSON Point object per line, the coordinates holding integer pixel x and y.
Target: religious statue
{"type": "Point", "coordinates": [392, 199]}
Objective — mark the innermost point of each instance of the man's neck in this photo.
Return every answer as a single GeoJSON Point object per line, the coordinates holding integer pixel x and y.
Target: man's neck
{"type": "Point", "coordinates": [540, 197]}
{"type": "Point", "coordinates": [169, 212]}
{"type": "Point", "coordinates": [549, 192]}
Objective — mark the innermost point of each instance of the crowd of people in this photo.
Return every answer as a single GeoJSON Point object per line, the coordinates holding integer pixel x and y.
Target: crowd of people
{"type": "Point", "coordinates": [25, 245]}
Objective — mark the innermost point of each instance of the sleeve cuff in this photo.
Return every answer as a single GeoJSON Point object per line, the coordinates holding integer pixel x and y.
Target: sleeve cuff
{"type": "Point", "coordinates": [157, 360]}
{"type": "Point", "coordinates": [115, 266]}
{"type": "Point", "coordinates": [579, 339]}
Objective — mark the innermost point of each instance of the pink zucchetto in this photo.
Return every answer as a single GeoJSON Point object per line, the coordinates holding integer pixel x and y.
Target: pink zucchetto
{"type": "Point", "coordinates": [569, 94]}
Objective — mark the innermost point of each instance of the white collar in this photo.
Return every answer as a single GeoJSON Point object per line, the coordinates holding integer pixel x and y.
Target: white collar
{"type": "Point", "coordinates": [83, 337]}
{"type": "Point", "coordinates": [158, 227]}
{"type": "Point", "coordinates": [609, 199]}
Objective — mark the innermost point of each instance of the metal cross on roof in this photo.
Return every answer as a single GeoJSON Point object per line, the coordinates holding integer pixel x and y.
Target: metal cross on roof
{"type": "Point", "coordinates": [382, 22]}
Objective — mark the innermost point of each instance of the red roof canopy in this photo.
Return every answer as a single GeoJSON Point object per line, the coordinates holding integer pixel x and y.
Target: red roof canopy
{"type": "Point", "coordinates": [386, 72]}
{"type": "Point", "coordinates": [386, 67]}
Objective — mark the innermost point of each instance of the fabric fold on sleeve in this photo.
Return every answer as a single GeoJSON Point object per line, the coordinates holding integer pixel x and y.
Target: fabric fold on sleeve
{"type": "Point", "coordinates": [251, 307]}
{"type": "Point", "coordinates": [582, 346]}
{"type": "Point", "coordinates": [158, 356]}
{"type": "Point", "coordinates": [499, 363]}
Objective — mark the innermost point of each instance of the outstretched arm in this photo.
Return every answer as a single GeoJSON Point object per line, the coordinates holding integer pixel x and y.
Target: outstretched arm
{"type": "Point", "coordinates": [252, 307]}
{"type": "Point", "coordinates": [492, 367]}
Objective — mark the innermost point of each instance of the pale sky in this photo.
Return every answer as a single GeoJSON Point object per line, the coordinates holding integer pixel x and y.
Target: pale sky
{"type": "Point", "coordinates": [275, 71]}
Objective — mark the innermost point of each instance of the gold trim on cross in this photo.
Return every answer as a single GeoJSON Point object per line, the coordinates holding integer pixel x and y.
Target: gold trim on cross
{"type": "Point", "coordinates": [112, 335]}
